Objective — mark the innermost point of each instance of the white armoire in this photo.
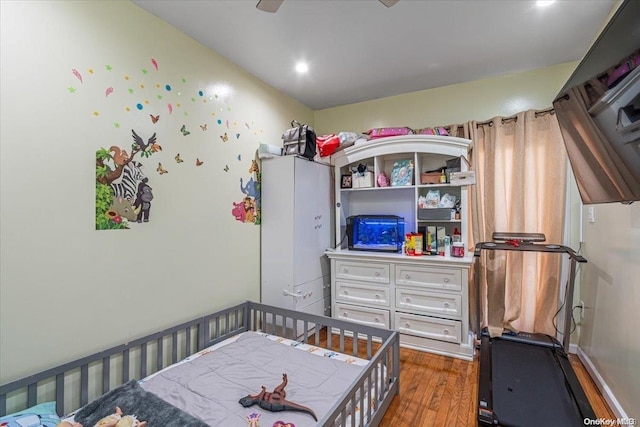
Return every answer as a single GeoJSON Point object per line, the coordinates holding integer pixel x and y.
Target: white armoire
{"type": "Point", "coordinates": [296, 232]}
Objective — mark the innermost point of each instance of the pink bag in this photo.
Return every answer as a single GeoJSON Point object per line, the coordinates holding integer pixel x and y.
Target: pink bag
{"type": "Point", "coordinates": [384, 132]}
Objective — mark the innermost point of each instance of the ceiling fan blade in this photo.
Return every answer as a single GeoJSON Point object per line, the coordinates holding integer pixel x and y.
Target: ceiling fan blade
{"type": "Point", "coordinates": [270, 6]}
{"type": "Point", "coordinates": [389, 3]}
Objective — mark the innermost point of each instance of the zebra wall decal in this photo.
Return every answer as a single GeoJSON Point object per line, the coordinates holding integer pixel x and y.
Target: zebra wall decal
{"type": "Point", "coordinates": [131, 176]}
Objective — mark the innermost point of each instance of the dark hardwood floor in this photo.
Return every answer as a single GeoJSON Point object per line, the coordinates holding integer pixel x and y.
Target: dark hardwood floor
{"type": "Point", "coordinates": [442, 391]}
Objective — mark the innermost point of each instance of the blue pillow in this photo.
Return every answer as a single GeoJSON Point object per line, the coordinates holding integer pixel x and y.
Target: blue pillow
{"type": "Point", "coordinates": [42, 415]}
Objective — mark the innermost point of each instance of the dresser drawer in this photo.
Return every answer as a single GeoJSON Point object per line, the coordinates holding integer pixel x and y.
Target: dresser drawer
{"type": "Point", "coordinates": [429, 327]}
{"type": "Point", "coordinates": [431, 277]}
{"type": "Point", "coordinates": [362, 294]}
{"type": "Point", "coordinates": [363, 271]}
{"type": "Point", "coordinates": [438, 303]}
{"type": "Point", "coordinates": [364, 315]}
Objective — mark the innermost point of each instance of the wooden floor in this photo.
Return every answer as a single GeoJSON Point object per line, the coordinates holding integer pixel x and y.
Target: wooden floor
{"type": "Point", "coordinates": [443, 391]}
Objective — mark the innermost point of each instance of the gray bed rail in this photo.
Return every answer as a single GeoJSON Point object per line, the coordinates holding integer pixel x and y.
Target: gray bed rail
{"type": "Point", "coordinates": [74, 384]}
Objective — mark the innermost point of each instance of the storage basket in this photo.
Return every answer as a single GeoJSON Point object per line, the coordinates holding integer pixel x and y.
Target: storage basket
{"type": "Point", "coordinates": [434, 214]}
{"type": "Point", "coordinates": [430, 178]}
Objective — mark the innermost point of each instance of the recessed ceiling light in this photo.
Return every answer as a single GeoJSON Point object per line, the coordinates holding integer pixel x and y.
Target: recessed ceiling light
{"type": "Point", "coordinates": [544, 3]}
{"type": "Point", "coordinates": [302, 67]}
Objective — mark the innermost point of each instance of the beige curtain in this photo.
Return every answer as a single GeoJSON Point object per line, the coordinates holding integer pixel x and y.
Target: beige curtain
{"type": "Point", "coordinates": [601, 174]}
{"type": "Point", "coordinates": [520, 165]}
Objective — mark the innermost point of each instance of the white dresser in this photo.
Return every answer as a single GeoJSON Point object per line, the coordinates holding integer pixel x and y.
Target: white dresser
{"type": "Point", "coordinates": [296, 231]}
{"type": "Point", "coordinates": [425, 298]}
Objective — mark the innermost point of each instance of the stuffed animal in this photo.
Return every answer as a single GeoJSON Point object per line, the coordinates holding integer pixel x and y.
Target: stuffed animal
{"type": "Point", "coordinates": [117, 419]}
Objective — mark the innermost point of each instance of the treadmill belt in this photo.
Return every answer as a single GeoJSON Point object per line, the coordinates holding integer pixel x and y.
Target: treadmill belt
{"type": "Point", "coordinates": [529, 388]}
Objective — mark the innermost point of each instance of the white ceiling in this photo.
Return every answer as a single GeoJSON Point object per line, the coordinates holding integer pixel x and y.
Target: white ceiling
{"type": "Point", "coordinates": [360, 50]}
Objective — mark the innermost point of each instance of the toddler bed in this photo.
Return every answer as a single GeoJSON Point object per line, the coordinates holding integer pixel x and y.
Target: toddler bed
{"type": "Point", "coordinates": [195, 373]}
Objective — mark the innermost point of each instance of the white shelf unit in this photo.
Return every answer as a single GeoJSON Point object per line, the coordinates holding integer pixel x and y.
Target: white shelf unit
{"type": "Point", "coordinates": [425, 298]}
{"type": "Point", "coordinates": [427, 153]}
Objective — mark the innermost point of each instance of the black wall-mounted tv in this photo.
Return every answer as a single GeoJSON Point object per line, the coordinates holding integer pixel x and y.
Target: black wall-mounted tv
{"type": "Point", "coordinates": [598, 110]}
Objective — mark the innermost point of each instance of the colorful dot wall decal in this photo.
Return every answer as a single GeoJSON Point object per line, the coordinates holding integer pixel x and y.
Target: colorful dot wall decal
{"type": "Point", "coordinates": [168, 88]}
{"type": "Point", "coordinates": [139, 106]}
{"type": "Point", "coordinates": [200, 93]}
{"type": "Point", "coordinates": [219, 121]}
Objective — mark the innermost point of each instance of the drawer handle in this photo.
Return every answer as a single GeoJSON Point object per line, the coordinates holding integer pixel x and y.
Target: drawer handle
{"type": "Point", "coordinates": [446, 305]}
{"type": "Point", "coordinates": [345, 293]}
{"type": "Point", "coordinates": [345, 271]}
{"type": "Point", "coordinates": [408, 300]}
{"type": "Point", "coordinates": [376, 320]}
{"type": "Point", "coordinates": [345, 314]}
{"type": "Point", "coordinates": [377, 296]}
{"type": "Point", "coordinates": [446, 280]}
{"type": "Point", "coordinates": [407, 276]}
{"type": "Point", "coordinates": [377, 273]}
{"type": "Point", "coordinates": [446, 332]}
{"type": "Point", "coordinates": [407, 325]}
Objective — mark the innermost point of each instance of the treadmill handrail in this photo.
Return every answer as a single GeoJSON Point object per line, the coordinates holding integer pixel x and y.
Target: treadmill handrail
{"type": "Point", "coordinates": [527, 247]}
{"type": "Point", "coordinates": [532, 247]}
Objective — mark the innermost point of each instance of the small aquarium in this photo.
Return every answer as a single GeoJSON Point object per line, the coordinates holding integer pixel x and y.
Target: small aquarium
{"type": "Point", "coordinates": [382, 233]}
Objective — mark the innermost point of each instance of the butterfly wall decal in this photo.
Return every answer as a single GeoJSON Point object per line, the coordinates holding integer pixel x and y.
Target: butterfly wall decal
{"type": "Point", "coordinates": [161, 170]}
{"type": "Point", "coordinates": [178, 159]}
{"type": "Point", "coordinates": [184, 130]}
{"type": "Point", "coordinates": [199, 162]}
{"type": "Point", "coordinates": [224, 137]}
{"type": "Point", "coordinates": [155, 119]}
{"type": "Point", "coordinates": [226, 168]}
{"type": "Point", "coordinates": [239, 157]}
{"type": "Point", "coordinates": [77, 74]}
{"type": "Point", "coordinates": [237, 136]}
{"type": "Point", "coordinates": [203, 127]}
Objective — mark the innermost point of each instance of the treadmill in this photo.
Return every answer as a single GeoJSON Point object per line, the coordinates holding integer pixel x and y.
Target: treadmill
{"type": "Point", "coordinates": [526, 379]}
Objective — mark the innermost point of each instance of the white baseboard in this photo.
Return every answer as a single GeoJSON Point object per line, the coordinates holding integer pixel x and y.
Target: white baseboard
{"type": "Point", "coordinates": [608, 395]}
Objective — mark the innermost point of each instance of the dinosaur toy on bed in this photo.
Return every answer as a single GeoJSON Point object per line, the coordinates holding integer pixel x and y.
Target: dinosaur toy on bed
{"type": "Point", "coordinates": [275, 401]}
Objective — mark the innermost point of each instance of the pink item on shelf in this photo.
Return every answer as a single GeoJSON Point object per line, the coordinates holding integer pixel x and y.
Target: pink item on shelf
{"type": "Point", "coordinates": [383, 180]}
{"type": "Point", "coordinates": [625, 68]}
{"type": "Point", "coordinates": [385, 132]}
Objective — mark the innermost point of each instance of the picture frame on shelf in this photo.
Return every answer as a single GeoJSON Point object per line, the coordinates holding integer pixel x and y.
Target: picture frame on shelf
{"type": "Point", "coordinates": [346, 181]}
{"type": "Point", "coordinates": [402, 173]}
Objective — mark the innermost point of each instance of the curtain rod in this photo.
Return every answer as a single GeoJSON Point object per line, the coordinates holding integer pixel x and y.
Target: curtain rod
{"type": "Point", "coordinates": [504, 120]}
